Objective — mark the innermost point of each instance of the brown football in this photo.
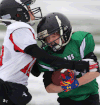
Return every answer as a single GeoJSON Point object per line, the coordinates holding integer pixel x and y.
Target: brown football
{"type": "Point", "coordinates": [56, 76]}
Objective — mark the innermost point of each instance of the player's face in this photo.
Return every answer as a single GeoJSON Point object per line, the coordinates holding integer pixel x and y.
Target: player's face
{"type": "Point", "coordinates": [52, 39]}
{"type": "Point", "coordinates": [31, 13]}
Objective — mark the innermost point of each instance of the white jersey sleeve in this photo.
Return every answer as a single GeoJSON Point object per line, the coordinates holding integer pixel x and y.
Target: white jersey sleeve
{"type": "Point", "coordinates": [23, 37]}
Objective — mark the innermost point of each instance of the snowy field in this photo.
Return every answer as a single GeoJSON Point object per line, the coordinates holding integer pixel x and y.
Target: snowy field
{"type": "Point", "coordinates": [39, 94]}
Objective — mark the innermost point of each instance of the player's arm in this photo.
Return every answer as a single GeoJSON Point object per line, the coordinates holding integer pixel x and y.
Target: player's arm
{"type": "Point", "coordinates": [69, 83]}
{"type": "Point", "coordinates": [55, 61]}
{"type": "Point", "coordinates": [51, 88]}
{"type": "Point", "coordinates": [88, 77]}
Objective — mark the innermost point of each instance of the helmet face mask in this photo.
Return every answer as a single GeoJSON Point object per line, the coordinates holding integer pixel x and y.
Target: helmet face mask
{"type": "Point", "coordinates": [37, 13]}
{"type": "Point", "coordinates": [54, 45]}
{"type": "Point", "coordinates": [52, 23]}
{"type": "Point", "coordinates": [18, 10]}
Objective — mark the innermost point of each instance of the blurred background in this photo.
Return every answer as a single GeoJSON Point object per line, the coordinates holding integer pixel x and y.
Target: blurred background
{"type": "Point", "coordinates": [84, 15]}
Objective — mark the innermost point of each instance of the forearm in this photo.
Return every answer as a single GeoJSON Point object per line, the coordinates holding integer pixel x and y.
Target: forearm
{"type": "Point", "coordinates": [88, 77]}
{"type": "Point", "coordinates": [55, 61]}
{"type": "Point", "coordinates": [54, 88]}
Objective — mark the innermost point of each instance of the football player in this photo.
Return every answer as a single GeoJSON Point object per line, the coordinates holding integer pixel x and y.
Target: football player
{"type": "Point", "coordinates": [55, 32]}
{"type": "Point", "coordinates": [20, 51]}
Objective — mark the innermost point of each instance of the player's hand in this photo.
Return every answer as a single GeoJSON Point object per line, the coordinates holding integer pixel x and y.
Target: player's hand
{"type": "Point", "coordinates": [68, 83]}
{"type": "Point", "coordinates": [93, 66]}
{"type": "Point", "coordinates": [69, 72]}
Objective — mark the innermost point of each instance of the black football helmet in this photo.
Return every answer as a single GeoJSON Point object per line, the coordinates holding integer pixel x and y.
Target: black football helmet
{"type": "Point", "coordinates": [17, 10]}
{"type": "Point", "coordinates": [52, 23]}
{"type": "Point", "coordinates": [28, 2]}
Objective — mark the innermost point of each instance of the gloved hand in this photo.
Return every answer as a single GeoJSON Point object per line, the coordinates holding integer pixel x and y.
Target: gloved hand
{"type": "Point", "coordinates": [69, 72]}
{"type": "Point", "coordinates": [69, 82]}
{"type": "Point", "coordinates": [93, 66]}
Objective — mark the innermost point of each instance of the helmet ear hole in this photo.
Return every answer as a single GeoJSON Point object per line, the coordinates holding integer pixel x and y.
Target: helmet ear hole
{"type": "Point", "coordinates": [18, 15]}
{"type": "Point", "coordinates": [67, 35]}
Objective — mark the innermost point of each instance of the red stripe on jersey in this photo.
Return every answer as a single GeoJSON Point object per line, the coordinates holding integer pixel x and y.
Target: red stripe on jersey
{"type": "Point", "coordinates": [26, 70]}
{"type": "Point", "coordinates": [16, 48]}
{"type": "Point", "coordinates": [28, 73]}
{"type": "Point", "coordinates": [32, 33]}
{"type": "Point", "coordinates": [1, 57]}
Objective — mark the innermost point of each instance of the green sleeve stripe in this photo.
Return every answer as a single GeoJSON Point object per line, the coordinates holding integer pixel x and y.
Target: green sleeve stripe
{"type": "Point", "coordinates": [82, 48]}
{"type": "Point", "coordinates": [46, 67]}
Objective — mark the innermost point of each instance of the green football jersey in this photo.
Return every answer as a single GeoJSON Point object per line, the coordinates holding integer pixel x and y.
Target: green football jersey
{"type": "Point", "coordinates": [81, 44]}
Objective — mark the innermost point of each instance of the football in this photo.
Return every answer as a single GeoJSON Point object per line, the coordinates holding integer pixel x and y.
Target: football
{"type": "Point", "coordinates": [56, 76]}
